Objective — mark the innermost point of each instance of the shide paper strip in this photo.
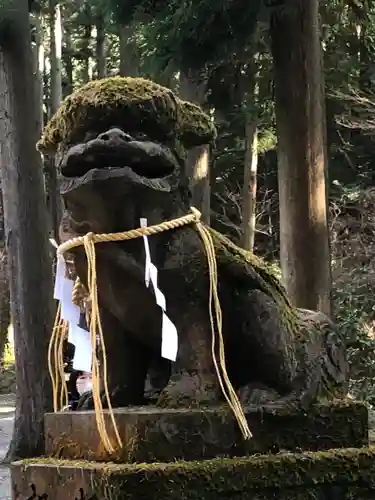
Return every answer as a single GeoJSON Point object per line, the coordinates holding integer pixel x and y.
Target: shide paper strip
{"type": "Point", "coordinates": [83, 353]}
{"type": "Point", "coordinates": [169, 335]}
{"type": "Point", "coordinates": [70, 312]}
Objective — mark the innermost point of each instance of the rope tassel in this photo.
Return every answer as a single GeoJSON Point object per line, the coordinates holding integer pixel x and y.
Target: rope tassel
{"type": "Point", "coordinates": [59, 333]}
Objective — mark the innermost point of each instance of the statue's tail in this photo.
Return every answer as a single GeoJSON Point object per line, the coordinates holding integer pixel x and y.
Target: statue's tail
{"type": "Point", "coordinates": [334, 367]}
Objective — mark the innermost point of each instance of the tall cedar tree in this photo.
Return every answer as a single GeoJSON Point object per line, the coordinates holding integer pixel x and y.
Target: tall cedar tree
{"type": "Point", "coordinates": [304, 241]}
{"type": "Point", "coordinates": [26, 229]}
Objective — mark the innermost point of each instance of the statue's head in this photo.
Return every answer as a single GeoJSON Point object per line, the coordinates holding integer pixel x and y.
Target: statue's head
{"type": "Point", "coordinates": [122, 140]}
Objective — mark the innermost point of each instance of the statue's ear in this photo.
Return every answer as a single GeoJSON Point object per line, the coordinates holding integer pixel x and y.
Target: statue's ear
{"type": "Point", "coordinates": [196, 126]}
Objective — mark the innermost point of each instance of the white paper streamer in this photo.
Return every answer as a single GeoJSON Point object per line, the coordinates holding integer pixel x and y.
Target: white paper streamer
{"type": "Point", "coordinates": [83, 353]}
{"type": "Point", "coordinates": [169, 335]}
{"type": "Point", "coordinates": [63, 291]}
{"type": "Point", "coordinates": [60, 277]}
{"type": "Point", "coordinates": [69, 311]}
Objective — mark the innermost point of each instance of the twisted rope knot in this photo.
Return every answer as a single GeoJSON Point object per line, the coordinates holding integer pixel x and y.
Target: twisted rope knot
{"type": "Point", "coordinates": [79, 293]}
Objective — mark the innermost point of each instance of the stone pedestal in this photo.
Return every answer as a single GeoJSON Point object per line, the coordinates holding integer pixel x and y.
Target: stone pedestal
{"type": "Point", "coordinates": [328, 475]}
{"type": "Point", "coordinates": [157, 435]}
{"type": "Point", "coordinates": [175, 454]}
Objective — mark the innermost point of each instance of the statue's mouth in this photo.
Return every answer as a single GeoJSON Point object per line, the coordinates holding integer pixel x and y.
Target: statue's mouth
{"type": "Point", "coordinates": [118, 156]}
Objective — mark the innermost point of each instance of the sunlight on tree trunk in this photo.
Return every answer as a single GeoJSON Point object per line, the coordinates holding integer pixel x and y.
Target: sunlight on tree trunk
{"type": "Point", "coordinates": [198, 159]}
{"type": "Point", "coordinates": [199, 174]}
{"type": "Point", "coordinates": [249, 193]}
{"type": "Point", "coordinates": [26, 231]}
{"type": "Point", "coordinates": [4, 287]}
{"type": "Point", "coordinates": [56, 98]}
{"type": "Point", "coordinates": [304, 242]}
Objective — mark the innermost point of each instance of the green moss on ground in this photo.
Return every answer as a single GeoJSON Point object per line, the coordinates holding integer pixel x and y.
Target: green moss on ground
{"type": "Point", "coordinates": [134, 104]}
{"type": "Point", "coordinates": [258, 477]}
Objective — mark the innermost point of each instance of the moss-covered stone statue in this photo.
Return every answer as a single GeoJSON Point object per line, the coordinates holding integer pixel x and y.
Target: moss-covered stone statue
{"type": "Point", "coordinates": [120, 145]}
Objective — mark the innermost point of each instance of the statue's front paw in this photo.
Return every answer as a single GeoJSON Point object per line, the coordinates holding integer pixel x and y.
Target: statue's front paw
{"type": "Point", "coordinates": [256, 394]}
{"type": "Point", "coordinates": [190, 391]}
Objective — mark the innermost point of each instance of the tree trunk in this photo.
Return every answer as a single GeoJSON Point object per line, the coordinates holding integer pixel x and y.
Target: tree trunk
{"type": "Point", "coordinates": [198, 159]}
{"type": "Point", "coordinates": [329, 309]}
{"type": "Point", "coordinates": [55, 54]}
{"type": "Point", "coordinates": [38, 57]}
{"type": "Point", "coordinates": [53, 196]}
{"type": "Point", "coordinates": [101, 63]}
{"type": "Point", "coordinates": [363, 29]}
{"type": "Point", "coordinates": [304, 242]}
{"type": "Point", "coordinates": [46, 87]}
{"type": "Point", "coordinates": [56, 98]}
{"type": "Point", "coordinates": [129, 56]}
{"type": "Point", "coordinates": [68, 62]}
{"type": "Point", "coordinates": [26, 232]}
{"type": "Point", "coordinates": [198, 169]}
{"type": "Point", "coordinates": [86, 63]}
{"type": "Point", "coordinates": [249, 193]}
{"type": "Point", "coordinates": [4, 287]}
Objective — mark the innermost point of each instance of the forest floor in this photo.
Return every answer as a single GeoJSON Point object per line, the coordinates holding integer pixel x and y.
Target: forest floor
{"type": "Point", "coordinates": [6, 429]}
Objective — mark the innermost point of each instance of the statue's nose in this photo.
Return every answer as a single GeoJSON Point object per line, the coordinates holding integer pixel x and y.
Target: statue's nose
{"type": "Point", "coordinates": [115, 135]}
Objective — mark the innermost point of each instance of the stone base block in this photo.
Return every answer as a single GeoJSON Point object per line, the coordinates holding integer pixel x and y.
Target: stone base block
{"type": "Point", "coordinates": [328, 475]}
{"type": "Point", "coordinates": [154, 434]}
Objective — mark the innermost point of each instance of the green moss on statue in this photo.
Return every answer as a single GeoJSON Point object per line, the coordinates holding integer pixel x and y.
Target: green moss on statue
{"type": "Point", "coordinates": [135, 104]}
{"type": "Point", "coordinates": [252, 268]}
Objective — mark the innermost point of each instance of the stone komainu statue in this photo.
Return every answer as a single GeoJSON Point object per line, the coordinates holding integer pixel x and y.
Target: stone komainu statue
{"type": "Point", "coordinates": [120, 145]}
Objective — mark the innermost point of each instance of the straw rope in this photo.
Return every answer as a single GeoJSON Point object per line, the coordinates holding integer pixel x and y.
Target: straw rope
{"type": "Point", "coordinates": [60, 328]}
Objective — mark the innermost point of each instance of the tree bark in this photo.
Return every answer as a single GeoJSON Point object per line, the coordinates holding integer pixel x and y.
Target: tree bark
{"type": "Point", "coordinates": [101, 63]}
{"type": "Point", "coordinates": [198, 159]}
{"type": "Point", "coordinates": [249, 193]}
{"type": "Point", "coordinates": [304, 242]}
{"type": "Point", "coordinates": [55, 54]}
{"type": "Point", "coordinates": [4, 286]}
{"type": "Point", "coordinates": [53, 196]}
{"type": "Point", "coordinates": [129, 56]}
{"type": "Point", "coordinates": [198, 170]}
{"type": "Point", "coordinates": [38, 57]}
{"type": "Point", "coordinates": [86, 40]}
{"type": "Point", "coordinates": [26, 231]}
{"type": "Point", "coordinates": [68, 61]}
{"type": "Point", "coordinates": [56, 98]}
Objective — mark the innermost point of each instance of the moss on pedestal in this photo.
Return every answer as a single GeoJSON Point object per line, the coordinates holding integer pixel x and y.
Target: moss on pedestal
{"type": "Point", "coordinates": [336, 474]}
{"type": "Point", "coordinates": [267, 476]}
